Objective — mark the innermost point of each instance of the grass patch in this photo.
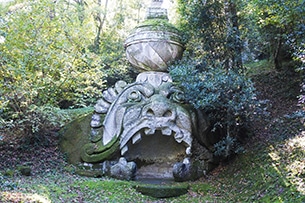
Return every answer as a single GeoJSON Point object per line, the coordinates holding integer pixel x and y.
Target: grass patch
{"type": "Point", "coordinates": [254, 178]}
{"type": "Point", "coordinates": [271, 170]}
{"type": "Point", "coordinates": [258, 67]}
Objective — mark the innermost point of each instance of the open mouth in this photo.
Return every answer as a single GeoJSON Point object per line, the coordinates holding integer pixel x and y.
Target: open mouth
{"type": "Point", "coordinates": [154, 130]}
{"type": "Point", "coordinates": [154, 151]}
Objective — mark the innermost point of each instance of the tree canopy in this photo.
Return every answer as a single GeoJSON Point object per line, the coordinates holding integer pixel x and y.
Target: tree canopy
{"type": "Point", "coordinates": [63, 53]}
{"type": "Point", "coordinates": [221, 30]}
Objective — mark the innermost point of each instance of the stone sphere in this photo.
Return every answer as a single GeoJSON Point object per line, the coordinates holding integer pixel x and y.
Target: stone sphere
{"type": "Point", "coordinates": [154, 46]}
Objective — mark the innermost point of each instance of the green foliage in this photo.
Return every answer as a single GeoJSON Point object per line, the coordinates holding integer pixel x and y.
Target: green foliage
{"type": "Point", "coordinates": [47, 62]}
{"type": "Point", "coordinates": [212, 31]}
{"type": "Point", "coordinates": [34, 123]}
{"type": "Point", "coordinates": [257, 67]}
{"type": "Point", "coordinates": [159, 25]}
{"type": "Point", "coordinates": [219, 30]}
{"type": "Point", "coordinates": [213, 88]}
{"type": "Point", "coordinates": [274, 29]}
{"type": "Point", "coordinates": [203, 24]}
{"type": "Point", "coordinates": [45, 59]}
{"type": "Point", "coordinates": [228, 146]}
{"type": "Point", "coordinates": [295, 124]}
{"type": "Point", "coordinates": [6, 183]}
{"type": "Point", "coordinates": [279, 14]}
{"type": "Point", "coordinates": [227, 98]}
{"type": "Point", "coordinates": [269, 172]}
{"type": "Point", "coordinates": [302, 97]}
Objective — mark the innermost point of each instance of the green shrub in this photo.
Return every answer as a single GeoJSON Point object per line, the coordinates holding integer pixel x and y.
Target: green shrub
{"type": "Point", "coordinates": [45, 59]}
{"type": "Point", "coordinates": [34, 123]}
{"type": "Point", "coordinates": [302, 97]}
{"type": "Point", "coordinates": [46, 62]}
{"type": "Point", "coordinates": [6, 183]}
{"type": "Point", "coordinates": [227, 97]}
{"type": "Point", "coordinates": [228, 146]}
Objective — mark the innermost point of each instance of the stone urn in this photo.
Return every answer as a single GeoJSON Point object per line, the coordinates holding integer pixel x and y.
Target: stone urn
{"type": "Point", "coordinates": [154, 45]}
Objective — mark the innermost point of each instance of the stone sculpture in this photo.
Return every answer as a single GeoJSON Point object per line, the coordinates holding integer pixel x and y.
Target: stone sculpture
{"type": "Point", "coordinates": [150, 107]}
{"type": "Point", "coordinates": [151, 103]}
{"type": "Point", "coordinates": [146, 128]}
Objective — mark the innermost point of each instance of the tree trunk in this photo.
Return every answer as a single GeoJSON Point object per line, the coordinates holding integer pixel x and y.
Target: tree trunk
{"type": "Point", "coordinates": [233, 42]}
{"type": "Point", "coordinates": [276, 54]}
{"type": "Point", "coordinates": [100, 21]}
{"type": "Point", "coordinates": [80, 10]}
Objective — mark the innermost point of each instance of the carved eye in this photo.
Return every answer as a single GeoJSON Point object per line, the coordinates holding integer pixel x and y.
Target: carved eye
{"type": "Point", "coordinates": [178, 96]}
{"type": "Point", "coordinates": [134, 96]}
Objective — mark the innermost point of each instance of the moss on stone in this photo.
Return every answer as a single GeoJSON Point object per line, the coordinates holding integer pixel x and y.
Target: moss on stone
{"type": "Point", "coordinates": [162, 191]}
{"type": "Point", "coordinates": [89, 173]}
{"type": "Point", "coordinates": [75, 139]}
{"type": "Point", "coordinates": [159, 25]}
{"type": "Point", "coordinates": [100, 153]}
{"type": "Point", "coordinates": [25, 170]}
{"type": "Point", "coordinates": [74, 136]}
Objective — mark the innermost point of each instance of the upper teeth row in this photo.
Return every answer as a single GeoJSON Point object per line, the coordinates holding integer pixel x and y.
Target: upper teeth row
{"type": "Point", "coordinates": [150, 131]}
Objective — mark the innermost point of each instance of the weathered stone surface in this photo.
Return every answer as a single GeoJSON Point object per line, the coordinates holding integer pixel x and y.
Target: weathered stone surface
{"type": "Point", "coordinates": [153, 47]}
{"type": "Point", "coordinates": [97, 152]}
{"type": "Point", "coordinates": [155, 44]}
{"type": "Point", "coordinates": [155, 10]}
{"type": "Point", "coordinates": [25, 170]}
{"type": "Point", "coordinates": [162, 191]}
{"type": "Point", "coordinates": [74, 136]}
{"type": "Point", "coordinates": [89, 173]}
{"type": "Point", "coordinates": [109, 96]}
{"type": "Point", "coordinates": [188, 171]}
{"type": "Point", "coordinates": [149, 123]}
{"type": "Point", "coordinates": [146, 107]}
{"type": "Point", "coordinates": [123, 170]}
{"type": "Point", "coordinates": [96, 121]}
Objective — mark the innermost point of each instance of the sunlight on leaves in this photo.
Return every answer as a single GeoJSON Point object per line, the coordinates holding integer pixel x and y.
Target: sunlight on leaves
{"type": "Point", "coordinates": [20, 197]}
{"type": "Point", "coordinates": [289, 160]}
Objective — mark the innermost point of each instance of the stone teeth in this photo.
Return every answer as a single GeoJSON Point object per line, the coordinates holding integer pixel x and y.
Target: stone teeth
{"type": "Point", "coordinates": [102, 106]}
{"type": "Point", "coordinates": [179, 137]}
{"type": "Point", "coordinates": [188, 151]}
{"type": "Point", "coordinates": [136, 138]}
{"type": "Point", "coordinates": [110, 95]}
{"type": "Point", "coordinates": [186, 160]}
{"type": "Point", "coordinates": [124, 150]}
{"type": "Point", "coordinates": [96, 121]}
{"type": "Point", "coordinates": [149, 131]}
{"type": "Point", "coordinates": [166, 131]}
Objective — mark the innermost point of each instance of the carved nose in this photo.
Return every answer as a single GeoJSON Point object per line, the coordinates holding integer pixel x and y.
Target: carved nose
{"type": "Point", "coordinates": [159, 109]}
{"type": "Point", "coordinates": [159, 112]}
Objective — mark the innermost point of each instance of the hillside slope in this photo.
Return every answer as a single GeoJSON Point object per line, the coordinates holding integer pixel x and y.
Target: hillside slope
{"type": "Point", "coordinates": [271, 170]}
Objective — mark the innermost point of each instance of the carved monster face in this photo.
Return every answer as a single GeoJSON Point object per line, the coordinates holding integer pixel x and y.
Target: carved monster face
{"type": "Point", "coordinates": [160, 110]}
{"type": "Point", "coordinates": [152, 104]}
